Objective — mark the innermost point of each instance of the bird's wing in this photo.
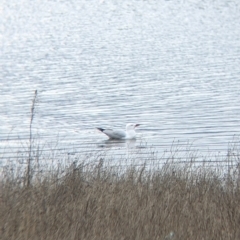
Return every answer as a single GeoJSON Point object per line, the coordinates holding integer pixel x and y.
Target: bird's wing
{"type": "Point", "coordinates": [114, 134]}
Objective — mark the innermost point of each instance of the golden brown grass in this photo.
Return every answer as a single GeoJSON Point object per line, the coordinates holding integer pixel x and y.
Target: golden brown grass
{"type": "Point", "coordinates": [101, 203]}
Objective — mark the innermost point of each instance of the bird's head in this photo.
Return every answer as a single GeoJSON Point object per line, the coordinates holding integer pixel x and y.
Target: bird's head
{"type": "Point", "coordinates": [131, 126]}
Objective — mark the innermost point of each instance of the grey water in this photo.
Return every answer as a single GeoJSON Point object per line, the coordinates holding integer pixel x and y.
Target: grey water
{"type": "Point", "coordinates": [171, 66]}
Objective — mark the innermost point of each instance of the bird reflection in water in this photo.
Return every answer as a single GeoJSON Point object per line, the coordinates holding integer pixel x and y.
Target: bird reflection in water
{"type": "Point", "coordinates": [118, 143]}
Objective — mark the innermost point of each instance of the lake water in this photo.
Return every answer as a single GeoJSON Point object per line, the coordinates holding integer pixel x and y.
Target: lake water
{"type": "Point", "coordinates": [172, 66]}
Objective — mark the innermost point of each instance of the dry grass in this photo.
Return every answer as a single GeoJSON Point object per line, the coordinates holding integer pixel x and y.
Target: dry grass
{"type": "Point", "coordinates": [101, 203]}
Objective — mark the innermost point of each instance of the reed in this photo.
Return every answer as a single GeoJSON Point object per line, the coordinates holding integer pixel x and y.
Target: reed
{"type": "Point", "coordinates": [94, 201]}
{"type": "Point", "coordinates": [29, 162]}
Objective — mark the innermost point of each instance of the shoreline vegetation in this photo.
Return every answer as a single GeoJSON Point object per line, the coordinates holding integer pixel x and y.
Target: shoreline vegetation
{"type": "Point", "coordinates": [92, 198]}
{"type": "Point", "coordinates": [96, 201]}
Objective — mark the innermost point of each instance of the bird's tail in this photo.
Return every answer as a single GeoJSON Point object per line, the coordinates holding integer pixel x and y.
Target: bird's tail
{"type": "Point", "coordinates": [101, 129]}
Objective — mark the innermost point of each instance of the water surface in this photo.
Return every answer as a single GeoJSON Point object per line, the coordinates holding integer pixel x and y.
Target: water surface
{"type": "Point", "coordinates": [172, 66]}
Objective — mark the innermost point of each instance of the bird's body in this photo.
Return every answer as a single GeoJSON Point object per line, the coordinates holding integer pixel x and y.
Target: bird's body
{"type": "Point", "coordinates": [130, 132]}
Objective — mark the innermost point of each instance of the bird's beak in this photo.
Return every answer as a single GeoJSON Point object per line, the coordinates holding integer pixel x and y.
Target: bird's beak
{"type": "Point", "coordinates": [137, 125]}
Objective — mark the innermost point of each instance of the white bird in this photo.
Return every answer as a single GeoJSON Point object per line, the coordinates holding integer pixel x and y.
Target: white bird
{"type": "Point", "coordinates": [120, 134]}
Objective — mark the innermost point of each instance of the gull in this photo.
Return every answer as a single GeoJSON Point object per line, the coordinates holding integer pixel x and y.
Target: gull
{"type": "Point", "coordinates": [120, 134]}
